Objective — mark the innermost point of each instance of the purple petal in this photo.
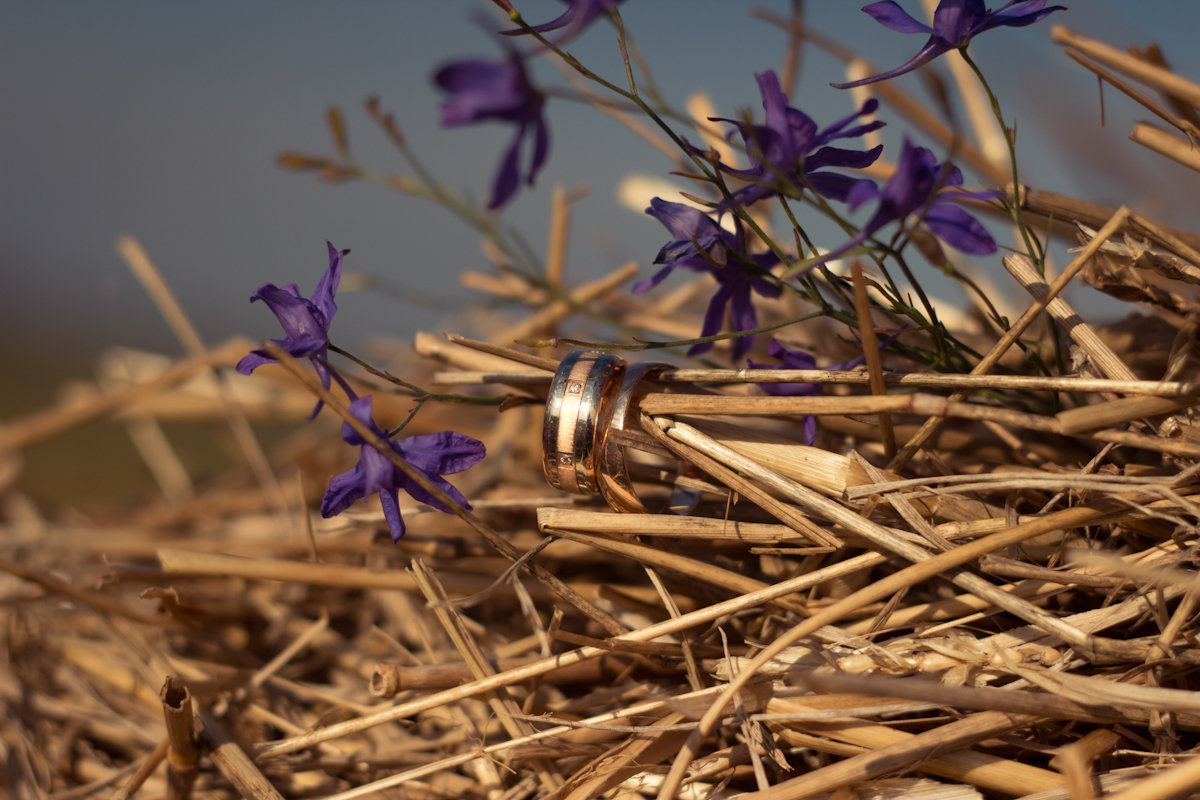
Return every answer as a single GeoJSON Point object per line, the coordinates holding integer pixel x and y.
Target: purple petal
{"type": "Point", "coordinates": [959, 229]}
{"type": "Point", "coordinates": [956, 20]}
{"type": "Point", "coordinates": [578, 16]}
{"type": "Point", "coordinates": [683, 221]}
{"type": "Point", "coordinates": [1022, 14]}
{"type": "Point", "coordinates": [713, 253]}
{"type": "Point", "coordinates": [984, 194]}
{"type": "Point", "coordinates": [378, 470]}
{"type": "Point", "coordinates": [793, 359]}
{"type": "Point", "coordinates": [862, 191]}
{"type": "Point", "coordinates": [841, 157]}
{"type": "Point", "coordinates": [742, 317]}
{"type": "Point", "coordinates": [832, 185]}
{"type": "Point", "coordinates": [322, 369]}
{"type": "Point", "coordinates": [360, 408]}
{"type": "Point", "coordinates": [323, 295]}
{"type": "Point", "coordinates": [295, 314]}
{"type": "Point", "coordinates": [391, 512]}
{"type": "Point", "coordinates": [774, 101]}
{"type": "Point", "coordinates": [252, 362]}
{"type": "Point", "coordinates": [915, 179]}
{"type": "Point", "coordinates": [421, 496]}
{"type": "Point", "coordinates": [458, 76]}
{"type": "Point", "coordinates": [443, 453]}
{"type": "Point", "coordinates": [759, 281]}
{"type": "Point", "coordinates": [307, 347]}
{"type": "Point", "coordinates": [508, 175]}
{"type": "Point", "coordinates": [654, 280]}
{"type": "Point", "coordinates": [343, 490]}
{"type": "Point", "coordinates": [948, 176]}
{"type": "Point", "coordinates": [839, 130]}
{"type": "Point", "coordinates": [479, 90]}
{"type": "Point", "coordinates": [933, 48]}
{"type": "Point", "coordinates": [890, 15]}
{"type": "Point", "coordinates": [561, 21]}
{"type": "Point", "coordinates": [785, 389]}
{"type": "Point", "coordinates": [714, 316]}
{"type": "Point", "coordinates": [541, 146]}
{"type": "Point", "coordinates": [810, 430]}
{"type": "Point", "coordinates": [290, 288]}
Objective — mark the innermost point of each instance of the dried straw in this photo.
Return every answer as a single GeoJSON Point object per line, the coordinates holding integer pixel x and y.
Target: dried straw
{"type": "Point", "coordinates": [1006, 607]}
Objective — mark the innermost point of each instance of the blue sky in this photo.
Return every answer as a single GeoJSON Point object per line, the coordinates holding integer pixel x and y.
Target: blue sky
{"type": "Point", "coordinates": [162, 120]}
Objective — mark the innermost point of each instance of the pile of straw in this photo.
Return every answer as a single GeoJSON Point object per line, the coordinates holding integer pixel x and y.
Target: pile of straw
{"type": "Point", "coordinates": [974, 585]}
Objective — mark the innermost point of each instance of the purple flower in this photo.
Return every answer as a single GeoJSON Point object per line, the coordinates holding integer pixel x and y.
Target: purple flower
{"type": "Point", "coordinates": [789, 145]}
{"type": "Point", "coordinates": [579, 15]}
{"type": "Point", "coordinates": [702, 245]}
{"type": "Point", "coordinates": [500, 90]}
{"type": "Point", "coordinates": [798, 359]}
{"type": "Point", "coordinates": [955, 23]}
{"type": "Point", "coordinates": [305, 322]}
{"type": "Point", "coordinates": [432, 454]}
{"type": "Point", "coordinates": [920, 184]}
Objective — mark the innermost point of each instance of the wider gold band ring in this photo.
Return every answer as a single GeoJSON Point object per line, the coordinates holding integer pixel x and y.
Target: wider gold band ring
{"type": "Point", "coordinates": [583, 388]}
{"type": "Point", "coordinates": [622, 431]}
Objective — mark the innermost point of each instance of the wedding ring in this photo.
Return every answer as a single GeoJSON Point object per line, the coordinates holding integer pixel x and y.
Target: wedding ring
{"type": "Point", "coordinates": [621, 432]}
{"type": "Point", "coordinates": [580, 396]}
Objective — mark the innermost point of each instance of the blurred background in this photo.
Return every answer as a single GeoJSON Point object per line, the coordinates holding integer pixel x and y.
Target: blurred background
{"type": "Point", "coordinates": [163, 121]}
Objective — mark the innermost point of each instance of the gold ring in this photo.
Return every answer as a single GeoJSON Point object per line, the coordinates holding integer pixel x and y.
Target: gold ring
{"type": "Point", "coordinates": [622, 432]}
{"type": "Point", "coordinates": [583, 387]}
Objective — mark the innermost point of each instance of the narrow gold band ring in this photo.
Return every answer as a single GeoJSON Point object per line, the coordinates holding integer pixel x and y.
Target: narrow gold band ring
{"type": "Point", "coordinates": [583, 388]}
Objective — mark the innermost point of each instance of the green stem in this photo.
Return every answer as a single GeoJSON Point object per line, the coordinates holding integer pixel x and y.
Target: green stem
{"type": "Point", "coordinates": [652, 345]}
{"type": "Point", "coordinates": [422, 395]}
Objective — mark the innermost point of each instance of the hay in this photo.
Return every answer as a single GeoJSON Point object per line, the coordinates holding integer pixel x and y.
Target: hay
{"type": "Point", "coordinates": [986, 580]}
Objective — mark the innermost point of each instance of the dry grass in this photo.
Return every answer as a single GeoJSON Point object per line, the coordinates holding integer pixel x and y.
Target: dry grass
{"type": "Point", "coordinates": [974, 585]}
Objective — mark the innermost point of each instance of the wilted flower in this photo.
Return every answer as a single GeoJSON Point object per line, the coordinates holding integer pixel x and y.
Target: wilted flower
{"type": "Point", "coordinates": [579, 15]}
{"type": "Point", "coordinates": [702, 245]}
{"type": "Point", "coordinates": [920, 184]}
{"type": "Point", "coordinates": [497, 90]}
{"type": "Point", "coordinates": [432, 454]}
{"type": "Point", "coordinates": [305, 321]}
{"type": "Point", "coordinates": [788, 144]}
{"type": "Point", "coordinates": [955, 23]}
